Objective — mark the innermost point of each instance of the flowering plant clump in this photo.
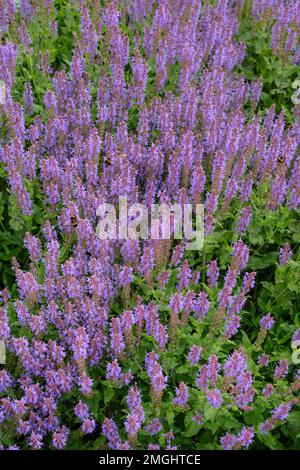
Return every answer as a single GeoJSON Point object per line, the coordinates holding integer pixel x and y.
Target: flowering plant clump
{"type": "Point", "coordinates": [141, 343]}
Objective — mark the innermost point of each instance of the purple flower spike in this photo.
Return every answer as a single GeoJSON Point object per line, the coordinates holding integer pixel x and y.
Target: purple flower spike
{"type": "Point", "coordinates": [214, 397]}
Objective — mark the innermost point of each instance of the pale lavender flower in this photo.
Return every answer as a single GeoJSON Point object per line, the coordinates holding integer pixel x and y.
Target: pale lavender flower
{"type": "Point", "coordinates": [267, 322]}
{"type": "Point", "coordinates": [281, 369]}
{"type": "Point", "coordinates": [154, 427]}
{"type": "Point", "coordinates": [263, 360]}
{"type": "Point", "coordinates": [285, 254]}
{"type": "Point", "coordinates": [81, 410]}
{"type": "Point", "coordinates": [212, 273]}
{"type": "Point", "coordinates": [268, 391]}
{"type": "Point", "coordinates": [282, 411]}
{"type": "Point", "coordinates": [214, 398]}
{"type": "Point", "coordinates": [267, 426]}
{"type": "Point", "coordinates": [60, 438]}
{"type": "Point", "coordinates": [113, 370]}
{"type": "Point", "coordinates": [245, 437]}
{"type": "Point", "coordinates": [88, 425]}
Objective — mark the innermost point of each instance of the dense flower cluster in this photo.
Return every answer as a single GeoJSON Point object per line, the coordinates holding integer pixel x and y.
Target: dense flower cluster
{"type": "Point", "coordinates": [99, 319]}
